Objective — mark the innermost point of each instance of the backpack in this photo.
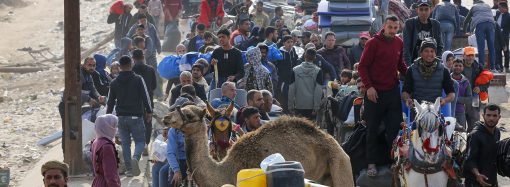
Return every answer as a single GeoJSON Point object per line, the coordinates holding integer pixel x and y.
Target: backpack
{"type": "Point", "coordinates": [503, 157]}
{"type": "Point", "coordinates": [342, 105]}
{"type": "Point", "coordinates": [355, 147]}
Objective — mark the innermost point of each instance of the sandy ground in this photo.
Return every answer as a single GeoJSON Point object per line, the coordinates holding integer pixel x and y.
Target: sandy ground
{"type": "Point", "coordinates": [28, 102]}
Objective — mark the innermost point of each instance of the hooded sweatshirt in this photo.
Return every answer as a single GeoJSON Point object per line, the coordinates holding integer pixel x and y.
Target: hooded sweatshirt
{"type": "Point", "coordinates": [284, 66]}
{"type": "Point", "coordinates": [101, 78]}
{"type": "Point", "coordinates": [380, 62]}
{"type": "Point", "coordinates": [257, 76]}
{"type": "Point", "coordinates": [129, 93]}
{"type": "Point", "coordinates": [464, 94]}
{"type": "Point", "coordinates": [481, 154]}
{"type": "Point", "coordinates": [104, 155]}
{"type": "Point", "coordinates": [305, 89]}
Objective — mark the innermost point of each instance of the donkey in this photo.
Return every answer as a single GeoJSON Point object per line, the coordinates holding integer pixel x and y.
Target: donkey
{"type": "Point", "coordinates": [220, 131]}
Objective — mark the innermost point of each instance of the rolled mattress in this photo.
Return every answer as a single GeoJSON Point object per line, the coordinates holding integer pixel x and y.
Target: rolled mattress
{"type": "Point", "coordinates": [349, 6]}
{"type": "Point", "coordinates": [323, 9]}
{"type": "Point", "coordinates": [328, 21]}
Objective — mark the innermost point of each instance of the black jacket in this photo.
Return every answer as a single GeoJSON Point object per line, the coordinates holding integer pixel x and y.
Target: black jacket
{"type": "Point", "coordinates": [505, 23]}
{"type": "Point", "coordinates": [129, 95]}
{"type": "Point", "coordinates": [481, 154]}
{"type": "Point", "coordinates": [88, 90]}
{"type": "Point", "coordinates": [499, 42]}
{"type": "Point", "coordinates": [122, 24]}
{"type": "Point", "coordinates": [149, 76]}
{"type": "Point", "coordinates": [284, 66]}
{"type": "Point", "coordinates": [101, 83]}
{"type": "Point", "coordinates": [199, 89]}
{"type": "Point", "coordinates": [410, 38]}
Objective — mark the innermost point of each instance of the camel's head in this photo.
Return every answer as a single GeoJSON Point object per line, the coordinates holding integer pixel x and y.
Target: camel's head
{"type": "Point", "coordinates": [188, 119]}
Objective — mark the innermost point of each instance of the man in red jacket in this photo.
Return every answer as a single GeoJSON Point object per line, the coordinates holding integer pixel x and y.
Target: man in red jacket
{"type": "Point", "coordinates": [211, 11]}
{"type": "Point", "coordinates": [380, 61]}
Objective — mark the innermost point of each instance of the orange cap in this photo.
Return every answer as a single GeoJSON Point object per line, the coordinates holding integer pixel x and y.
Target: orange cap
{"type": "Point", "coordinates": [469, 51]}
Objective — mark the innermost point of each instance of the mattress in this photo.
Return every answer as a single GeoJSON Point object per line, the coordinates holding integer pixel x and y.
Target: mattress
{"type": "Point", "coordinates": [343, 36]}
{"type": "Point", "coordinates": [349, 6]}
{"type": "Point", "coordinates": [349, 1]}
{"type": "Point", "coordinates": [350, 28]}
{"type": "Point", "coordinates": [323, 9]}
{"type": "Point", "coordinates": [328, 21]}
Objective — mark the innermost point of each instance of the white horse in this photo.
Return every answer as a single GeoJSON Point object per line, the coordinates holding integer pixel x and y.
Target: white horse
{"type": "Point", "coordinates": [423, 155]}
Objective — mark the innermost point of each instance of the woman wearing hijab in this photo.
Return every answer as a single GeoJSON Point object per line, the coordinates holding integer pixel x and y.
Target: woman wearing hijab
{"type": "Point", "coordinates": [256, 76]}
{"type": "Point", "coordinates": [101, 80]}
{"type": "Point", "coordinates": [105, 158]}
{"type": "Point", "coordinates": [447, 59]}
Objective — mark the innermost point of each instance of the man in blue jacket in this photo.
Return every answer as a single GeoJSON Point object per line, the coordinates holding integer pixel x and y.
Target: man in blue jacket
{"type": "Point", "coordinates": [417, 29]}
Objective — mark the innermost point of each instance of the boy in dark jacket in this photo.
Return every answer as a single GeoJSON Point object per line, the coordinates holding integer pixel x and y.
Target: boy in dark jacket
{"type": "Point", "coordinates": [417, 29]}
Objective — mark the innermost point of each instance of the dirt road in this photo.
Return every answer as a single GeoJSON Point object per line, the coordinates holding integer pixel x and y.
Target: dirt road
{"type": "Point", "coordinates": [28, 102]}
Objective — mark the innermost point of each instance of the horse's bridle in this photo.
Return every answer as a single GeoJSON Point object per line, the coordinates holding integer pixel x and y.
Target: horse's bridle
{"type": "Point", "coordinates": [438, 125]}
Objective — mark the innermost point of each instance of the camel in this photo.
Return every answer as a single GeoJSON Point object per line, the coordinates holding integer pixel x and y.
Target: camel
{"type": "Point", "coordinates": [297, 139]}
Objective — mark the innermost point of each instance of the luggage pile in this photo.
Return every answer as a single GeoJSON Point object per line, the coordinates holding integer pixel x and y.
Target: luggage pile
{"type": "Point", "coordinates": [346, 18]}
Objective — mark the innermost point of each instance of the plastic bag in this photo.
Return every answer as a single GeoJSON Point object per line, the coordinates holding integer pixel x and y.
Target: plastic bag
{"type": "Point", "coordinates": [274, 54]}
{"type": "Point", "coordinates": [169, 67]}
{"type": "Point", "coordinates": [117, 7]}
{"type": "Point", "coordinates": [271, 159]}
{"type": "Point", "coordinates": [159, 150]}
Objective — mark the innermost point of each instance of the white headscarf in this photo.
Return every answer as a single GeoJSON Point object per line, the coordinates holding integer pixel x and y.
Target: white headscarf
{"type": "Point", "coordinates": [106, 126]}
{"type": "Point", "coordinates": [444, 58]}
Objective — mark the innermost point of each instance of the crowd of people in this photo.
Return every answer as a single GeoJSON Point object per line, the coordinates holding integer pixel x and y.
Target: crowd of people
{"type": "Point", "coordinates": [267, 69]}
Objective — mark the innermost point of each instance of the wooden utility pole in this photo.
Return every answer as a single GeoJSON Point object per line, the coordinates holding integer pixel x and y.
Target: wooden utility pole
{"type": "Point", "coordinates": [72, 128]}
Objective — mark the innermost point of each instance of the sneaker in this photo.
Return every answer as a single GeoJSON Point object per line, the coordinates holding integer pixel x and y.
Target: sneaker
{"type": "Point", "coordinates": [494, 71]}
{"type": "Point", "coordinates": [135, 167]}
{"type": "Point", "coordinates": [129, 174]}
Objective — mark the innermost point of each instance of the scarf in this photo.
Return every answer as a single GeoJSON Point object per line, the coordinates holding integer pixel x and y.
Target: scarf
{"type": "Point", "coordinates": [255, 72]}
{"type": "Point", "coordinates": [426, 70]}
{"type": "Point", "coordinates": [106, 126]}
{"type": "Point", "coordinates": [444, 58]}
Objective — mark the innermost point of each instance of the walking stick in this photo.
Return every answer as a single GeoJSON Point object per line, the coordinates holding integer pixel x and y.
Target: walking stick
{"type": "Point", "coordinates": [216, 73]}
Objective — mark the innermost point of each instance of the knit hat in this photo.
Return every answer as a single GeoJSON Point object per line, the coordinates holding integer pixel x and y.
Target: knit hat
{"type": "Point", "coordinates": [199, 66]}
{"type": "Point", "coordinates": [428, 43]}
{"type": "Point", "coordinates": [55, 164]}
